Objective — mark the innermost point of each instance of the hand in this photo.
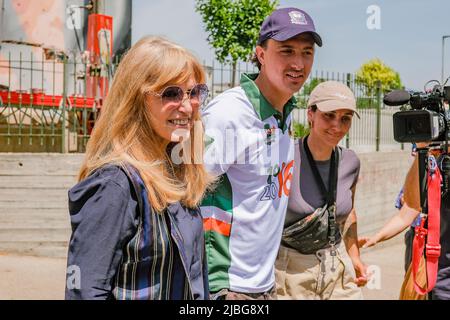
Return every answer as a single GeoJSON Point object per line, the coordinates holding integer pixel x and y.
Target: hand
{"type": "Point", "coordinates": [367, 242]}
{"type": "Point", "coordinates": [362, 241]}
{"type": "Point", "coordinates": [361, 273]}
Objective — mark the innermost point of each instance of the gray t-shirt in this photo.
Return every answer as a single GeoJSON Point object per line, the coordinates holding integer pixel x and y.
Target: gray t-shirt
{"type": "Point", "coordinates": [305, 194]}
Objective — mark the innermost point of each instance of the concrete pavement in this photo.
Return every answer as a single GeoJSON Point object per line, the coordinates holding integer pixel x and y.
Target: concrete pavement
{"type": "Point", "coordinates": [388, 264]}
{"type": "Point", "coordinates": [30, 278]}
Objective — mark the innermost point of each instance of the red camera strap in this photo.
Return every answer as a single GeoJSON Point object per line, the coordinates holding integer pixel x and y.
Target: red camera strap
{"type": "Point", "coordinates": [431, 235]}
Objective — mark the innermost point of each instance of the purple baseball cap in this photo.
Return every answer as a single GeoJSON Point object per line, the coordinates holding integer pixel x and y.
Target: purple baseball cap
{"type": "Point", "coordinates": [287, 23]}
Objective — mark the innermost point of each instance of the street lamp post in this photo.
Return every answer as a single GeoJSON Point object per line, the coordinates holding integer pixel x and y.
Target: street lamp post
{"type": "Point", "coordinates": [443, 42]}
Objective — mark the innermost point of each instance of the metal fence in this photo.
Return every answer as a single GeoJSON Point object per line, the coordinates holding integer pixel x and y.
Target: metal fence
{"type": "Point", "coordinates": [44, 106]}
{"type": "Point", "coordinates": [372, 132]}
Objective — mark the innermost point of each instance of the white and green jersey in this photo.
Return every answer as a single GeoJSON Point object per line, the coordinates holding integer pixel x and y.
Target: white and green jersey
{"type": "Point", "coordinates": [250, 146]}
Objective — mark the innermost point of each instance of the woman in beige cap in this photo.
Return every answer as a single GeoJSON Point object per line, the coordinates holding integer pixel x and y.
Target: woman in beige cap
{"type": "Point", "coordinates": [313, 261]}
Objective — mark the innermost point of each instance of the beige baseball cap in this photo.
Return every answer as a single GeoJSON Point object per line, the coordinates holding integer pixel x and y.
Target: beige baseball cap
{"type": "Point", "coordinates": [332, 95]}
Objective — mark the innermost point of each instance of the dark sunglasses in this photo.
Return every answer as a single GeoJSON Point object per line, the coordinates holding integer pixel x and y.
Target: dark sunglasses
{"type": "Point", "coordinates": [174, 94]}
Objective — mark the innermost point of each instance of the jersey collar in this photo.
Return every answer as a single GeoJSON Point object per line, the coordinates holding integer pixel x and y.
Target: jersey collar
{"type": "Point", "coordinates": [260, 103]}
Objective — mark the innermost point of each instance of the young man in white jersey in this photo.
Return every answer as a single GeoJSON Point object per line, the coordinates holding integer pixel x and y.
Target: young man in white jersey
{"type": "Point", "coordinates": [250, 147]}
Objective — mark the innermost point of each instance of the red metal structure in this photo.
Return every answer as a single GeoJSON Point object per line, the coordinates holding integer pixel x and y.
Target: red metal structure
{"type": "Point", "coordinates": [99, 46]}
{"type": "Point", "coordinates": [98, 54]}
{"type": "Point", "coordinates": [43, 100]}
{"type": "Point", "coordinates": [55, 76]}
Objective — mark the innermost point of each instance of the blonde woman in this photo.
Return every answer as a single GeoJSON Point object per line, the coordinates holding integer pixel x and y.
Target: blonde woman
{"type": "Point", "coordinates": [136, 230]}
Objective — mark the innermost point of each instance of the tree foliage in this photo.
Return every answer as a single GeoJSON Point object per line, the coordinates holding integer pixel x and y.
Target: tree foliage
{"type": "Point", "coordinates": [375, 70]}
{"type": "Point", "coordinates": [300, 130]}
{"type": "Point", "coordinates": [233, 26]}
{"type": "Point", "coordinates": [309, 87]}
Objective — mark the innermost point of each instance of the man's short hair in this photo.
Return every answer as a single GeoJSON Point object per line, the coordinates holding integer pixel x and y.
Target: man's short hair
{"type": "Point", "coordinates": [255, 59]}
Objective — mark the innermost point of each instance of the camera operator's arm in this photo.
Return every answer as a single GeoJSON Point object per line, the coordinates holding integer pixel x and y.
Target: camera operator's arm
{"type": "Point", "coordinates": [408, 212]}
{"type": "Point", "coordinates": [399, 222]}
{"type": "Point", "coordinates": [412, 190]}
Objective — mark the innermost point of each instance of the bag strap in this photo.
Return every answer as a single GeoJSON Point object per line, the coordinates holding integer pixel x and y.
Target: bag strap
{"type": "Point", "coordinates": [332, 188]}
{"type": "Point", "coordinates": [432, 247]}
{"type": "Point", "coordinates": [331, 191]}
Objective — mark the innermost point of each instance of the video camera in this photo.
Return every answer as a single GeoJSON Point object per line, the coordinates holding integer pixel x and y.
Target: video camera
{"type": "Point", "coordinates": [428, 118]}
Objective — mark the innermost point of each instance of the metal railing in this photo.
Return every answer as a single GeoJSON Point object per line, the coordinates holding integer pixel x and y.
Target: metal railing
{"type": "Point", "coordinates": [373, 131]}
{"type": "Point", "coordinates": [44, 106]}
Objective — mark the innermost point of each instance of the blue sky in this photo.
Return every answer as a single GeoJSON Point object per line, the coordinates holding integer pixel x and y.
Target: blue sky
{"type": "Point", "coordinates": [410, 38]}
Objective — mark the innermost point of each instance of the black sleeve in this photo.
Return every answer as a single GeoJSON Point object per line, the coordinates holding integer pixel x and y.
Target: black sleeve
{"type": "Point", "coordinates": [101, 226]}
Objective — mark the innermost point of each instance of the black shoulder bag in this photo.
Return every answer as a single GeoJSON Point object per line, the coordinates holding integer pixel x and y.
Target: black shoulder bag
{"type": "Point", "coordinates": [318, 230]}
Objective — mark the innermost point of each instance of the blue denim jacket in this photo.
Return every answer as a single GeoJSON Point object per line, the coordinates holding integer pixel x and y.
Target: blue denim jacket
{"type": "Point", "coordinates": [122, 249]}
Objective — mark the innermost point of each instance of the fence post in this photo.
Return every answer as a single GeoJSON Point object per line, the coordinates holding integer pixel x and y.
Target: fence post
{"type": "Point", "coordinates": [378, 135]}
{"type": "Point", "coordinates": [64, 98]}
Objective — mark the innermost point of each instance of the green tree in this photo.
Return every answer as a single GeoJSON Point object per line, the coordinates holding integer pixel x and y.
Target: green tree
{"type": "Point", "coordinates": [303, 95]}
{"type": "Point", "coordinates": [309, 87]}
{"type": "Point", "coordinates": [300, 130]}
{"type": "Point", "coordinates": [375, 70]}
{"type": "Point", "coordinates": [233, 27]}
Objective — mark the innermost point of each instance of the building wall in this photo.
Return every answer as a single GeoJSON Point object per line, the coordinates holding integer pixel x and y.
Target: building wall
{"type": "Point", "coordinates": [34, 218]}
{"type": "Point", "coordinates": [381, 178]}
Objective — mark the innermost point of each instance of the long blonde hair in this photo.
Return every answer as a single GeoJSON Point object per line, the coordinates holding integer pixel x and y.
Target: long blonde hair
{"type": "Point", "coordinates": [123, 133]}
